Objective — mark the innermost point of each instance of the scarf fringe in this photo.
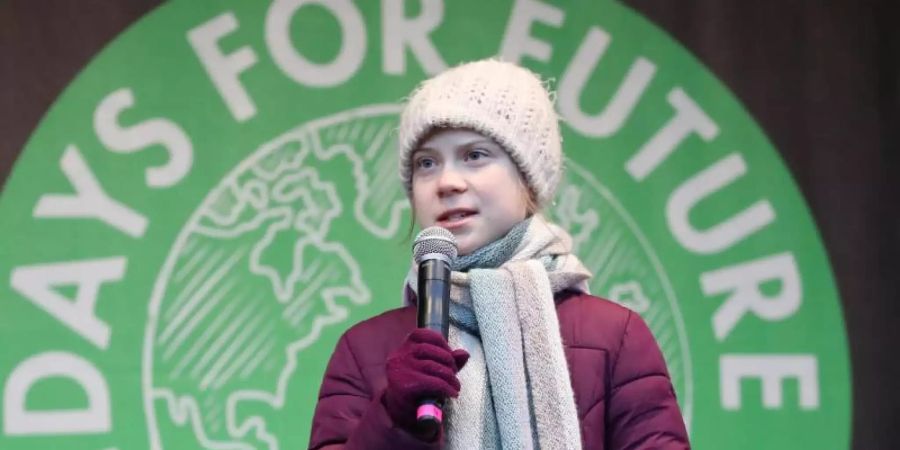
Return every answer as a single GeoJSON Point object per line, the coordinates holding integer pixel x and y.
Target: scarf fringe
{"type": "Point", "coordinates": [516, 391]}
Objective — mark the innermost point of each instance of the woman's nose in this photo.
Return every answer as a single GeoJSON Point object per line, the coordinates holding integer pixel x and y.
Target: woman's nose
{"type": "Point", "coordinates": [451, 181]}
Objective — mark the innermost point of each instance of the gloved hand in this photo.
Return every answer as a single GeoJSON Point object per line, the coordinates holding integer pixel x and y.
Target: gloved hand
{"type": "Point", "coordinates": [422, 367]}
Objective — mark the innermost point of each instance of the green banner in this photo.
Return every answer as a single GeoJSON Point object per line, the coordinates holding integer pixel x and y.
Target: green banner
{"type": "Point", "coordinates": [215, 198]}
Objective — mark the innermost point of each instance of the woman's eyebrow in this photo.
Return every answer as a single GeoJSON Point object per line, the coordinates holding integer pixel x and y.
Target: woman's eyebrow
{"type": "Point", "coordinates": [480, 142]}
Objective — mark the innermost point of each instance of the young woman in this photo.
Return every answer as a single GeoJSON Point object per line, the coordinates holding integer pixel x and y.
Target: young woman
{"type": "Point", "coordinates": [533, 360]}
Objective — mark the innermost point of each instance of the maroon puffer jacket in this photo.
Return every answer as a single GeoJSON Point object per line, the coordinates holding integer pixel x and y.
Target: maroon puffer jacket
{"type": "Point", "coordinates": [622, 389]}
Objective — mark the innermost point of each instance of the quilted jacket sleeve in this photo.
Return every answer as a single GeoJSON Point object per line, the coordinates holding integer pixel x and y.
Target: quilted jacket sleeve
{"type": "Point", "coordinates": [349, 416]}
{"type": "Point", "coordinates": [643, 412]}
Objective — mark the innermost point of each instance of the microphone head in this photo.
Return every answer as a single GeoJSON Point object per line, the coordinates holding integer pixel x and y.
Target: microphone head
{"type": "Point", "coordinates": [437, 242]}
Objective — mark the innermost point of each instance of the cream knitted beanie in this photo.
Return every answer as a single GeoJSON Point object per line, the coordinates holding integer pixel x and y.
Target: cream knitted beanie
{"type": "Point", "coordinates": [500, 100]}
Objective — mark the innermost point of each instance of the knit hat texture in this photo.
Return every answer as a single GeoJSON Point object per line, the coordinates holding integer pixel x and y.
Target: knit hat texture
{"type": "Point", "coordinates": [497, 99]}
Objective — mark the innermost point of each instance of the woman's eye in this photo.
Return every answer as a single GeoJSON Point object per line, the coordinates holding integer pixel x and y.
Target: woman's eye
{"type": "Point", "coordinates": [476, 155]}
{"type": "Point", "coordinates": [424, 163]}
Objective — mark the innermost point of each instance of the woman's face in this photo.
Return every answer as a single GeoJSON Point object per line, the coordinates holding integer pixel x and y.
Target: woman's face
{"type": "Point", "coordinates": [465, 182]}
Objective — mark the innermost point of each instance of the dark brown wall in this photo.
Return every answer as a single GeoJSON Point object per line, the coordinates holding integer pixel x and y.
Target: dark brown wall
{"type": "Point", "coordinates": [43, 45]}
{"type": "Point", "coordinates": [823, 81]}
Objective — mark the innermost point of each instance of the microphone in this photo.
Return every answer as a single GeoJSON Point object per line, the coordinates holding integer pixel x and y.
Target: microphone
{"type": "Point", "coordinates": [434, 251]}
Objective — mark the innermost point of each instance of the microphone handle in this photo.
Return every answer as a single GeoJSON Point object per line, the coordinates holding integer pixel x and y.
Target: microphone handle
{"type": "Point", "coordinates": [434, 314]}
{"type": "Point", "coordinates": [434, 296]}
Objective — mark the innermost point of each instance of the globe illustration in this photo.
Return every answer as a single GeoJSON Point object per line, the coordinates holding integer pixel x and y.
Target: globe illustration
{"type": "Point", "coordinates": [284, 249]}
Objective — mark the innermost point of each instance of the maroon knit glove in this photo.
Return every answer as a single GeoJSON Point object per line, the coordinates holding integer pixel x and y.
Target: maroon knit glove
{"type": "Point", "coordinates": [422, 367]}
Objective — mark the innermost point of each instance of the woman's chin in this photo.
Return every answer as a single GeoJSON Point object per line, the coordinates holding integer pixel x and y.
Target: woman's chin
{"type": "Point", "coordinates": [464, 247]}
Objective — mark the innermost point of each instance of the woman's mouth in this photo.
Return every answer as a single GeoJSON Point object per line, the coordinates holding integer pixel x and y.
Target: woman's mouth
{"type": "Point", "coordinates": [455, 218]}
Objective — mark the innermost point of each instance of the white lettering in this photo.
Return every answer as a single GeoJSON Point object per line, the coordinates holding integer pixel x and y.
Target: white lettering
{"type": "Point", "coordinates": [349, 58]}
{"type": "Point", "coordinates": [18, 421]}
{"type": "Point", "coordinates": [700, 186]}
{"type": "Point", "coordinates": [689, 118]}
{"type": "Point", "coordinates": [772, 370]}
{"type": "Point", "coordinates": [518, 41]}
{"type": "Point", "coordinates": [89, 200]}
{"type": "Point", "coordinates": [153, 131]}
{"type": "Point", "coordinates": [37, 283]}
{"type": "Point", "coordinates": [621, 105]}
{"type": "Point", "coordinates": [401, 32]}
{"type": "Point", "coordinates": [224, 70]}
{"type": "Point", "coordinates": [743, 283]}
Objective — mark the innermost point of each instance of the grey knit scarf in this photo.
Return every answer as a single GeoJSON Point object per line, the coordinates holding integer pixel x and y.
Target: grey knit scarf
{"type": "Point", "coordinates": [516, 392]}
